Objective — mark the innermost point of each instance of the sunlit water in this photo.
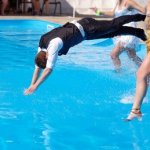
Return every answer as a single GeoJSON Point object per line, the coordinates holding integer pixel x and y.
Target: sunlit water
{"type": "Point", "coordinates": [81, 106]}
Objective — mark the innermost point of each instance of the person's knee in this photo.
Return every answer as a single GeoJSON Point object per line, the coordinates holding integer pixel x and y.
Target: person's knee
{"type": "Point", "coordinates": [114, 54]}
{"type": "Point", "coordinates": [116, 51]}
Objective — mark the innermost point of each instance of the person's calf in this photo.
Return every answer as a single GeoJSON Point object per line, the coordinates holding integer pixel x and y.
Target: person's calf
{"type": "Point", "coordinates": [116, 61]}
{"type": "Point", "coordinates": [139, 74]}
{"type": "Point", "coordinates": [113, 56]}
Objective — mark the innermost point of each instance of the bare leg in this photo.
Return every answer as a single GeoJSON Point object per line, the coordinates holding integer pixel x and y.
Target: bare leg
{"type": "Point", "coordinates": [36, 5]}
{"type": "Point", "coordinates": [132, 55]}
{"type": "Point", "coordinates": [141, 87]}
{"type": "Point", "coordinates": [47, 7]}
{"type": "Point", "coordinates": [142, 74]}
{"type": "Point", "coordinates": [115, 56]}
{"type": "Point", "coordinates": [4, 5]}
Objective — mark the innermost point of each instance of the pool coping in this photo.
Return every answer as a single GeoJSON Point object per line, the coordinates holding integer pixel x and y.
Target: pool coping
{"type": "Point", "coordinates": [57, 19]}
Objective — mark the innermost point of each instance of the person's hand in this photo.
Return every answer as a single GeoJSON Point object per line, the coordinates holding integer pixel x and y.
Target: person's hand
{"type": "Point", "coordinates": [94, 9]}
{"type": "Point", "coordinates": [30, 90]}
{"type": "Point", "coordinates": [97, 11]}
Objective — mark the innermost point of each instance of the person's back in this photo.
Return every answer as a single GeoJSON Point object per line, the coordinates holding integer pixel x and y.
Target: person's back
{"type": "Point", "coordinates": [69, 34]}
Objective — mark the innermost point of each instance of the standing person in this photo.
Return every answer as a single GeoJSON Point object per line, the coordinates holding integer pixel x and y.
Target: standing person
{"type": "Point", "coordinates": [3, 7]}
{"type": "Point", "coordinates": [142, 75]}
{"type": "Point", "coordinates": [46, 4]}
{"type": "Point", "coordinates": [141, 87]}
{"type": "Point", "coordinates": [124, 43]}
{"type": "Point", "coordinates": [59, 40]}
{"type": "Point", "coordinates": [37, 6]}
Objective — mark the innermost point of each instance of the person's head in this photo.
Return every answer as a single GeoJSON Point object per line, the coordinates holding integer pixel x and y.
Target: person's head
{"type": "Point", "coordinates": [41, 59]}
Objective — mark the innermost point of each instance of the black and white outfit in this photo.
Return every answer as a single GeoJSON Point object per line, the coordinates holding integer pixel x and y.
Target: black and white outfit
{"type": "Point", "coordinates": [59, 40]}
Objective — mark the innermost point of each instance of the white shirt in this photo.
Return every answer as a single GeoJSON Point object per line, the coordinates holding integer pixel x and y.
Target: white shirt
{"type": "Point", "coordinates": [79, 27]}
{"type": "Point", "coordinates": [55, 45]}
{"type": "Point", "coordinates": [53, 48]}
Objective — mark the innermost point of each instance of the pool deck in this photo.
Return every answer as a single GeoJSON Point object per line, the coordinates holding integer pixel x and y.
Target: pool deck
{"type": "Point", "coordinates": [57, 19]}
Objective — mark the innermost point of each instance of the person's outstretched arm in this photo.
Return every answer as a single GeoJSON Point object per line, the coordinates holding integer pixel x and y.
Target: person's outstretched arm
{"type": "Point", "coordinates": [35, 75]}
{"type": "Point", "coordinates": [51, 58]}
{"type": "Point", "coordinates": [110, 13]}
{"type": "Point", "coordinates": [135, 5]}
{"type": "Point", "coordinates": [37, 80]}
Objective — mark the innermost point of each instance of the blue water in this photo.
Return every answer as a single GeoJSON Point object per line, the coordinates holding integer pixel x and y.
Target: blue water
{"type": "Point", "coordinates": [81, 106]}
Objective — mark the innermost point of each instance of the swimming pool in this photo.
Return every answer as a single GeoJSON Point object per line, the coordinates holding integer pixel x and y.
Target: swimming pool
{"type": "Point", "coordinates": [80, 107]}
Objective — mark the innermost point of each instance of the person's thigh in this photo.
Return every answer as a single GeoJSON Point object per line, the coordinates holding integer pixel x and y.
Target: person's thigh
{"type": "Point", "coordinates": [145, 66]}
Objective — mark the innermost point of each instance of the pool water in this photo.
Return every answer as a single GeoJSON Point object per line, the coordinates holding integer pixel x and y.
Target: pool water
{"type": "Point", "coordinates": [81, 106]}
